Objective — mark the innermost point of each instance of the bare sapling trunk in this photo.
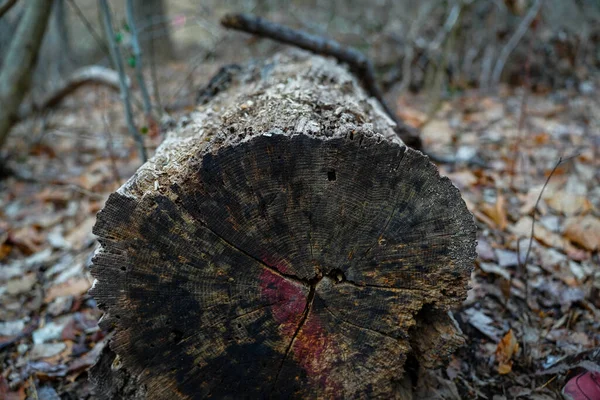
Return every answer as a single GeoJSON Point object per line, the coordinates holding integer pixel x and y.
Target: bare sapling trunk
{"type": "Point", "coordinates": [15, 76]}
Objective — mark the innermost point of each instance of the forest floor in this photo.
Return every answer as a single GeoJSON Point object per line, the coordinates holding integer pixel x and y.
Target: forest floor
{"type": "Point", "coordinates": [535, 295]}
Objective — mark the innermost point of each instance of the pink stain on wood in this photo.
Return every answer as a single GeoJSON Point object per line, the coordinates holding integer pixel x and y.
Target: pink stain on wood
{"type": "Point", "coordinates": [280, 264]}
{"type": "Point", "coordinates": [289, 299]}
{"type": "Point", "coordinates": [313, 345]}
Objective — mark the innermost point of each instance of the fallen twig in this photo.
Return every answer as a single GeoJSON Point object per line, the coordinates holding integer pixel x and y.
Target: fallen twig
{"type": "Point", "coordinates": [20, 176]}
{"type": "Point", "coordinates": [588, 359]}
{"type": "Point", "coordinates": [357, 61]}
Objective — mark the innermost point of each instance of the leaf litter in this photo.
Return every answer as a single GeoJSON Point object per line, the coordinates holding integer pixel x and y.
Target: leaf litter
{"type": "Point", "coordinates": [521, 320]}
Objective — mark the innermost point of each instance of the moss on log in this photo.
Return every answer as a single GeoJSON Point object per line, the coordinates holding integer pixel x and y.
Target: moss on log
{"type": "Point", "coordinates": [282, 243]}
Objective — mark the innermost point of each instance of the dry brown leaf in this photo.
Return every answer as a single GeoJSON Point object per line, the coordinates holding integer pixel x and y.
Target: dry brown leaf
{"type": "Point", "coordinates": [411, 116]}
{"type": "Point", "coordinates": [523, 229]}
{"type": "Point", "coordinates": [72, 287]}
{"type": "Point", "coordinates": [27, 239]}
{"type": "Point", "coordinates": [438, 132]}
{"type": "Point", "coordinates": [530, 200]}
{"type": "Point", "coordinates": [584, 231]}
{"type": "Point", "coordinates": [506, 349]}
{"type": "Point", "coordinates": [21, 284]}
{"type": "Point", "coordinates": [463, 179]}
{"type": "Point", "coordinates": [497, 212]}
{"type": "Point", "coordinates": [78, 237]}
{"type": "Point", "coordinates": [568, 203]}
{"type": "Point", "coordinates": [7, 394]}
{"type": "Point", "coordinates": [5, 250]}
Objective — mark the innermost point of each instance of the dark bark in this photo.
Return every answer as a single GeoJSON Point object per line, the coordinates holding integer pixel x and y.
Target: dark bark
{"type": "Point", "coordinates": [282, 243]}
{"type": "Point", "coordinates": [15, 77]}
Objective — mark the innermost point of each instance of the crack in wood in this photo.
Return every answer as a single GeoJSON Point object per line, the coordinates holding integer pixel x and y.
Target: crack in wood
{"type": "Point", "coordinates": [380, 287]}
{"type": "Point", "coordinates": [274, 270]}
{"type": "Point", "coordinates": [357, 326]}
{"type": "Point", "coordinates": [309, 303]}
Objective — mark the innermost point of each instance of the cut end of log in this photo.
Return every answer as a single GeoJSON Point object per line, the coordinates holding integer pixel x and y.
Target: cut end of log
{"type": "Point", "coordinates": [284, 264]}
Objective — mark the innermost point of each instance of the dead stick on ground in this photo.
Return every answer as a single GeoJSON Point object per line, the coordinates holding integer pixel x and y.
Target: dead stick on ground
{"type": "Point", "coordinates": [357, 61]}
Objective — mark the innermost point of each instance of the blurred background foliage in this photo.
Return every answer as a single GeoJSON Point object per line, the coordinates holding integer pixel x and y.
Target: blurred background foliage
{"type": "Point", "coordinates": [444, 46]}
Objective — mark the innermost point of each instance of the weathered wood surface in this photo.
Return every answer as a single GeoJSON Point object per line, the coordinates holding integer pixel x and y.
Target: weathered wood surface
{"type": "Point", "coordinates": [282, 243]}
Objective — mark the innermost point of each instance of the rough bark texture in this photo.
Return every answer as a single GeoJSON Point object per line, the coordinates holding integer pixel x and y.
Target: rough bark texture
{"type": "Point", "coordinates": [281, 243]}
{"type": "Point", "coordinates": [15, 76]}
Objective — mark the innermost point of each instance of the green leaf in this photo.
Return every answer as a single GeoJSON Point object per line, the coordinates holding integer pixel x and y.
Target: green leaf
{"type": "Point", "coordinates": [131, 61]}
{"type": "Point", "coordinates": [144, 130]}
{"type": "Point", "coordinates": [126, 27]}
{"type": "Point", "coordinates": [118, 37]}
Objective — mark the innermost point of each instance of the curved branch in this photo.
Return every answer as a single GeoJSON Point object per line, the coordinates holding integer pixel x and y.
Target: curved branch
{"type": "Point", "coordinates": [7, 6]}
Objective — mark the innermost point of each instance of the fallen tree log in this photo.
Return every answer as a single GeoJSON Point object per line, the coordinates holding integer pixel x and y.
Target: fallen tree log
{"type": "Point", "coordinates": [282, 242]}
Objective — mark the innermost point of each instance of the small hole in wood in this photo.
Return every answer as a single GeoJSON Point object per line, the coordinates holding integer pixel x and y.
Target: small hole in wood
{"type": "Point", "coordinates": [337, 275]}
{"type": "Point", "coordinates": [177, 335]}
{"type": "Point", "coordinates": [331, 175]}
{"type": "Point", "coordinates": [123, 269]}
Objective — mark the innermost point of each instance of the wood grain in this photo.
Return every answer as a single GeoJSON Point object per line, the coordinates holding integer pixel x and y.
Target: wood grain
{"type": "Point", "coordinates": [283, 264]}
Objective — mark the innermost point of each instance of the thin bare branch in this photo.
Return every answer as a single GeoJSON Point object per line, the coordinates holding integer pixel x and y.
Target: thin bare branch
{"type": "Point", "coordinates": [534, 212]}
{"type": "Point", "coordinates": [89, 27]}
{"type": "Point", "coordinates": [154, 77]}
{"type": "Point", "coordinates": [118, 62]}
{"type": "Point", "coordinates": [7, 6]}
{"type": "Point", "coordinates": [137, 53]}
{"type": "Point", "coordinates": [513, 41]}
{"type": "Point", "coordinates": [448, 26]}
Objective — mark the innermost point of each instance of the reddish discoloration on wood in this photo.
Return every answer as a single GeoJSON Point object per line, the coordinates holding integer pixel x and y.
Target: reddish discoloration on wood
{"type": "Point", "coordinates": [280, 265]}
{"type": "Point", "coordinates": [312, 348]}
{"type": "Point", "coordinates": [288, 299]}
